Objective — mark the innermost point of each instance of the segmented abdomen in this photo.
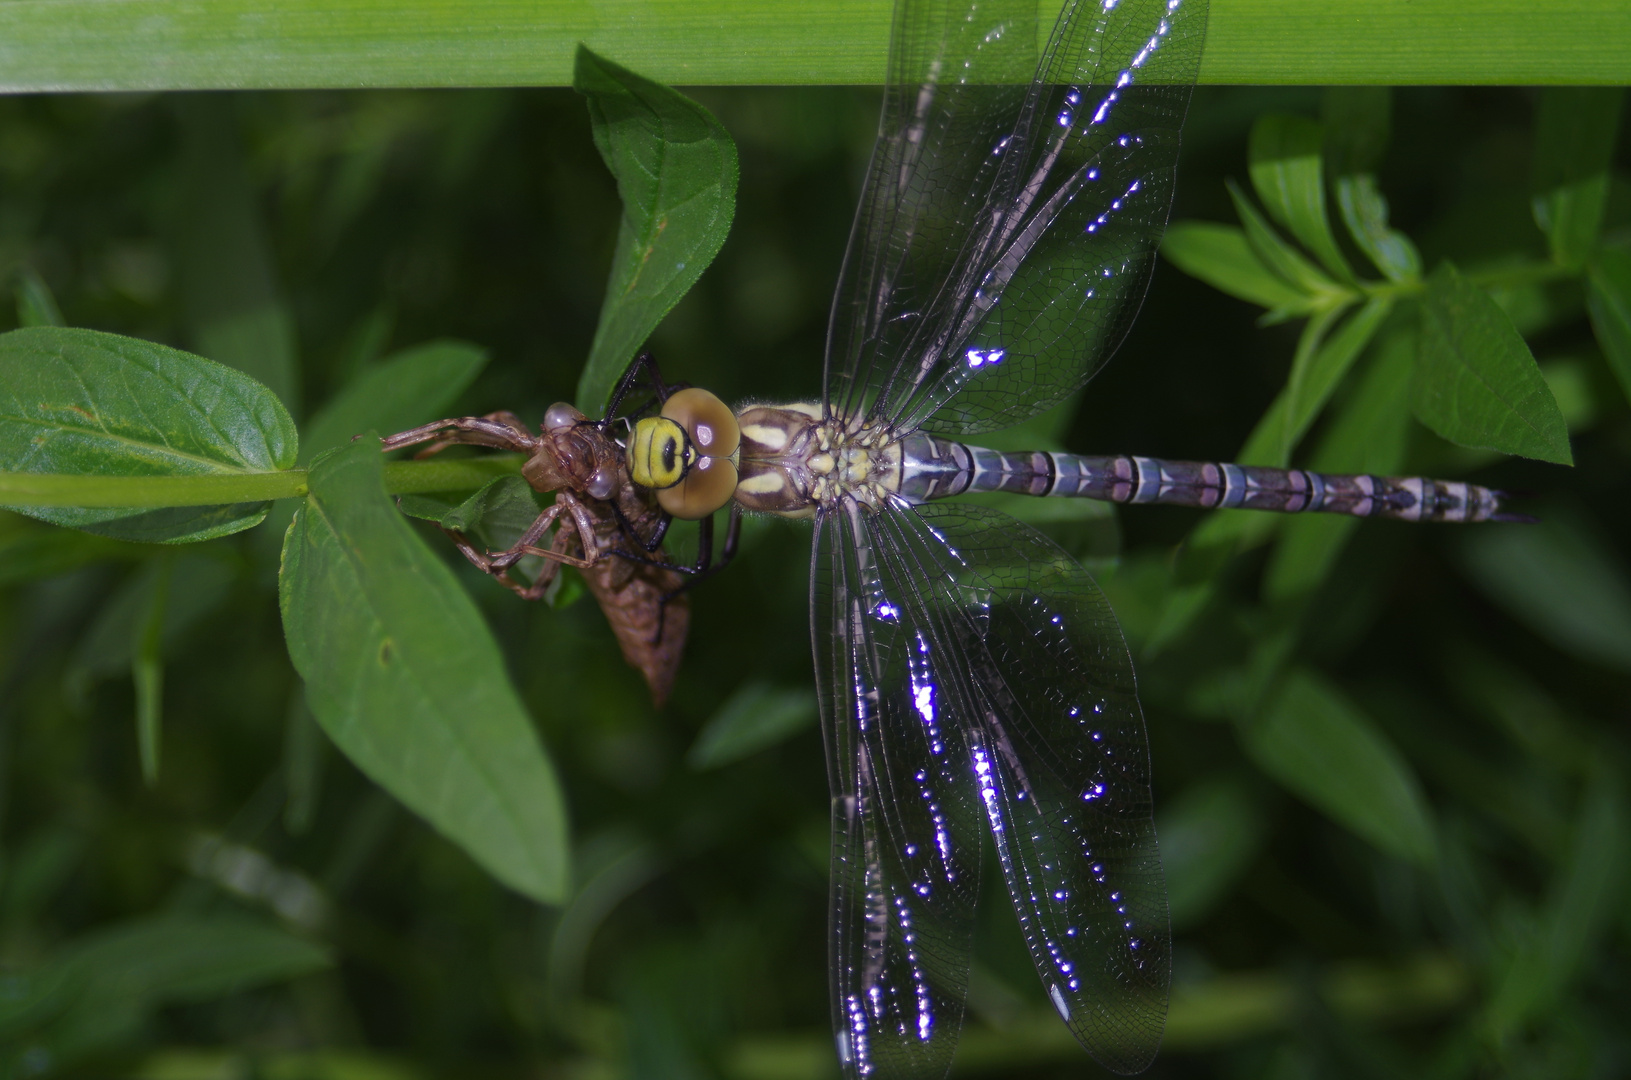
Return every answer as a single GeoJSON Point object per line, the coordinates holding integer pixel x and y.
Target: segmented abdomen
{"type": "Point", "coordinates": [937, 469]}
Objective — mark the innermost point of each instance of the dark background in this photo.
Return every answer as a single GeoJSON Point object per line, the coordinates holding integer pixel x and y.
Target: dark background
{"type": "Point", "coordinates": [696, 947]}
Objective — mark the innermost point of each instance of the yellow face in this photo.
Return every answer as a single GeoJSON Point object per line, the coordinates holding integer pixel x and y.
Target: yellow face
{"type": "Point", "coordinates": [688, 454]}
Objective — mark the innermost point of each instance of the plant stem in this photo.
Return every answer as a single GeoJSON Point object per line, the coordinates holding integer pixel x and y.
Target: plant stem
{"type": "Point", "coordinates": [401, 478]}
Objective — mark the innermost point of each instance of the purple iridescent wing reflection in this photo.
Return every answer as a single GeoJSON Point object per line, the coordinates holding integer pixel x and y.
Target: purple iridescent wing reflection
{"type": "Point", "coordinates": [984, 663]}
{"type": "Point", "coordinates": [1013, 206]}
{"type": "Point", "coordinates": [906, 842]}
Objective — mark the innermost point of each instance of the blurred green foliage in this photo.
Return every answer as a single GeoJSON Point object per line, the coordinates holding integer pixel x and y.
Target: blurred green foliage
{"type": "Point", "coordinates": [1390, 761]}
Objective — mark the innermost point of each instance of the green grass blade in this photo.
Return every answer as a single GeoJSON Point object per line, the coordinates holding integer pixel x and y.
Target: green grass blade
{"type": "Point", "coordinates": [229, 44]}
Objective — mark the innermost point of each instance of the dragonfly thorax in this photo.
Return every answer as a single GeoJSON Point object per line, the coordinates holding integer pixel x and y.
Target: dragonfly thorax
{"type": "Point", "coordinates": [796, 461]}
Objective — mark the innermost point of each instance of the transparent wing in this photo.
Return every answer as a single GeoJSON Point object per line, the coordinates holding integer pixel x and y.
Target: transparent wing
{"type": "Point", "coordinates": [906, 843]}
{"type": "Point", "coordinates": [1033, 693]}
{"type": "Point", "coordinates": [1006, 231]}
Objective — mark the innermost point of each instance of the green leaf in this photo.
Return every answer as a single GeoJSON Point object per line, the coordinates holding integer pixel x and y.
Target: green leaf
{"type": "Point", "coordinates": [1283, 260]}
{"type": "Point", "coordinates": [1209, 835]}
{"type": "Point", "coordinates": [91, 404]}
{"type": "Point", "coordinates": [226, 277]}
{"type": "Point", "coordinates": [1369, 435]}
{"type": "Point", "coordinates": [408, 388]}
{"type": "Point", "coordinates": [1220, 256]}
{"type": "Point", "coordinates": [1476, 383]}
{"type": "Point", "coordinates": [1583, 901]}
{"type": "Point", "coordinates": [755, 718]}
{"type": "Point", "coordinates": [1287, 169]}
{"type": "Point", "coordinates": [1357, 121]}
{"type": "Point", "coordinates": [98, 990]}
{"type": "Point", "coordinates": [1364, 212]}
{"type": "Point", "coordinates": [1558, 578]}
{"type": "Point", "coordinates": [1575, 130]}
{"type": "Point", "coordinates": [499, 513]}
{"type": "Point", "coordinates": [36, 306]}
{"type": "Point", "coordinates": [1608, 299]}
{"type": "Point", "coordinates": [1322, 748]}
{"type": "Point", "coordinates": [406, 679]}
{"type": "Point", "coordinates": [676, 173]}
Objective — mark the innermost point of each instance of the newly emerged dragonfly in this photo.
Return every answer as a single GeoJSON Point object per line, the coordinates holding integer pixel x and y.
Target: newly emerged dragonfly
{"type": "Point", "coordinates": [971, 675]}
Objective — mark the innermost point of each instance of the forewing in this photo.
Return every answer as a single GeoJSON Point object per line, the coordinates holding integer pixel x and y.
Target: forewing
{"type": "Point", "coordinates": [1006, 232]}
{"type": "Point", "coordinates": [1036, 680]}
{"type": "Point", "coordinates": [906, 844]}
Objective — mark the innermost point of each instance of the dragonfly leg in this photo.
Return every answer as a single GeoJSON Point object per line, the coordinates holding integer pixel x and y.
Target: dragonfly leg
{"type": "Point", "coordinates": [499, 563]}
{"type": "Point", "coordinates": [648, 363]}
{"type": "Point", "coordinates": [705, 567]}
{"type": "Point", "coordinates": [501, 430]}
{"type": "Point", "coordinates": [484, 562]}
{"type": "Point", "coordinates": [652, 543]}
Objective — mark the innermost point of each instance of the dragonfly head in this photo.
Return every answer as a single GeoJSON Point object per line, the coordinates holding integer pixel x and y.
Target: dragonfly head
{"type": "Point", "coordinates": [687, 454]}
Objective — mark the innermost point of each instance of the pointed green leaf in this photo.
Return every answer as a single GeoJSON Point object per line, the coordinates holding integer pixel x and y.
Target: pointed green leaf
{"type": "Point", "coordinates": [1608, 298]}
{"type": "Point", "coordinates": [1283, 260]}
{"type": "Point", "coordinates": [676, 173]}
{"type": "Point", "coordinates": [91, 404]}
{"type": "Point", "coordinates": [1220, 256]}
{"type": "Point", "coordinates": [1364, 212]}
{"type": "Point", "coordinates": [1288, 172]}
{"type": "Point", "coordinates": [1357, 121]}
{"type": "Point", "coordinates": [1315, 375]}
{"type": "Point", "coordinates": [1209, 836]}
{"type": "Point", "coordinates": [1583, 901]}
{"type": "Point", "coordinates": [408, 388]}
{"type": "Point", "coordinates": [1476, 383]}
{"type": "Point", "coordinates": [1322, 748]}
{"type": "Point", "coordinates": [755, 718]}
{"type": "Point", "coordinates": [226, 277]}
{"type": "Point", "coordinates": [1575, 130]}
{"type": "Point", "coordinates": [1368, 436]}
{"type": "Point", "coordinates": [36, 306]}
{"type": "Point", "coordinates": [1557, 577]}
{"type": "Point", "coordinates": [406, 679]}
{"type": "Point", "coordinates": [96, 992]}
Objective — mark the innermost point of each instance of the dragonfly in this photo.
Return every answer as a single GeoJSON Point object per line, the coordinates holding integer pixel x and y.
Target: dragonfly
{"type": "Point", "coordinates": [595, 512]}
{"type": "Point", "coordinates": [971, 675]}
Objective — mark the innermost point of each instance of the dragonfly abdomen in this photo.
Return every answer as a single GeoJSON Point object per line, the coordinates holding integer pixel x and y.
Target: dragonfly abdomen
{"type": "Point", "coordinates": [938, 468]}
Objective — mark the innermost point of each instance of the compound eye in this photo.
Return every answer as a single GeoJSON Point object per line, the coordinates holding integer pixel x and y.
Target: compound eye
{"type": "Point", "coordinates": [708, 485]}
{"type": "Point", "coordinates": [707, 420]}
{"type": "Point", "coordinates": [656, 453]}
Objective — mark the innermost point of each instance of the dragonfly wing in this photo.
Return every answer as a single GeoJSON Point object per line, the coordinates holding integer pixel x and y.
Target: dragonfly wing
{"type": "Point", "coordinates": [1006, 232]}
{"type": "Point", "coordinates": [1036, 681]}
{"type": "Point", "coordinates": [906, 832]}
